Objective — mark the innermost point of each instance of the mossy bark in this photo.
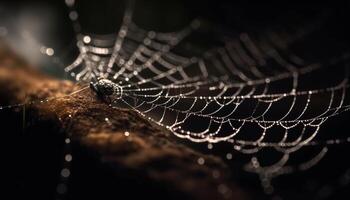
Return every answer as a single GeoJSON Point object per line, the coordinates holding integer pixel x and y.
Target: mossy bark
{"type": "Point", "coordinates": [149, 163]}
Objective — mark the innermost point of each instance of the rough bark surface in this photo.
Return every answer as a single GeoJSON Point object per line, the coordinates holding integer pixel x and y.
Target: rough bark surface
{"type": "Point", "coordinates": [151, 156]}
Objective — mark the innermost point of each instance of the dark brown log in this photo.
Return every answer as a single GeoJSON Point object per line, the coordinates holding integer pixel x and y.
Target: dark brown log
{"type": "Point", "coordinates": [150, 155]}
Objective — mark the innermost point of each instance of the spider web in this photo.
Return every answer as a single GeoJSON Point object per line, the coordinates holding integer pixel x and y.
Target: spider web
{"type": "Point", "coordinates": [248, 92]}
{"type": "Point", "coordinates": [220, 94]}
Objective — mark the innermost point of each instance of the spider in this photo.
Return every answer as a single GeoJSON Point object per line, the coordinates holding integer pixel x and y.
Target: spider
{"type": "Point", "coordinates": [106, 89]}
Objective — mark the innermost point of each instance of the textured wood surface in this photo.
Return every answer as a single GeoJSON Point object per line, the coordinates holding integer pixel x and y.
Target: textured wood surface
{"type": "Point", "coordinates": [150, 162]}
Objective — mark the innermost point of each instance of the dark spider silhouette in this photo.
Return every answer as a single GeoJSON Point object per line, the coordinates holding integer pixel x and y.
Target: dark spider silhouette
{"type": "Point", "coordinates": [106, 89]}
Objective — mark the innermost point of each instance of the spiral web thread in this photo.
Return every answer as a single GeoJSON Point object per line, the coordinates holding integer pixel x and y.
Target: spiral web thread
{"type": "Point", "coordinates": [177, 91]}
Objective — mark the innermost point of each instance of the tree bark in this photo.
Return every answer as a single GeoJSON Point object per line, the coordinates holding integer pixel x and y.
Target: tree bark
{"type": "Point", "coordinates": [148, 163]}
